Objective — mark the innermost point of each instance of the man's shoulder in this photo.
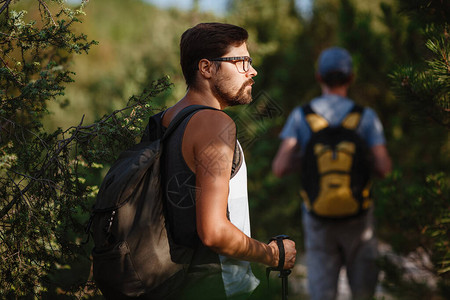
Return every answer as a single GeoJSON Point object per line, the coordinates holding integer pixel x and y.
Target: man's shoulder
{"type": "Point", "coordinates": [211, 125]}
{"type": "Point", "coordinates": [369, 115]}
{"type": "Point", "coordinates": [209, 119]}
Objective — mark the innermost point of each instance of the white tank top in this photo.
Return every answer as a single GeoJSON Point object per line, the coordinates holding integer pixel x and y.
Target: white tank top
{"type": "Point", "coordinates": [237, 275]}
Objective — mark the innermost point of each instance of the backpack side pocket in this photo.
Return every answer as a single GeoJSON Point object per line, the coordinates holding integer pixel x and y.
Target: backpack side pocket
{"type": "Point", "coordinates": [115, 273]}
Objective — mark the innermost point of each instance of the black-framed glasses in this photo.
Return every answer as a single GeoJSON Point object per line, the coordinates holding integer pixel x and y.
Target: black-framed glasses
{"type": "Point", "coordinates": [242, 63]}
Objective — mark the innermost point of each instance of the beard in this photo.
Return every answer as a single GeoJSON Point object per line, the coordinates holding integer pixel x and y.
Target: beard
{"type": "Point", "coordinates": [239, 98]}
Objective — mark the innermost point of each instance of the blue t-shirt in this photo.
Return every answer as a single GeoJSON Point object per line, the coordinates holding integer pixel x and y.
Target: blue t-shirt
{"type": "Point", "coordinates": [334, 109]}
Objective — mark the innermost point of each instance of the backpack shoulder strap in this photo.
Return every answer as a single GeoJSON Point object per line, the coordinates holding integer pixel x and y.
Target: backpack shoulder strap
{"type": "Point", "coordinates": [353, 118]}
{"type": "Point", "coordinates": [183, 114]}
{"type": "Point", "coordinates": [154, 129]}
{"type": "Point", "coordinates": [314, 120]}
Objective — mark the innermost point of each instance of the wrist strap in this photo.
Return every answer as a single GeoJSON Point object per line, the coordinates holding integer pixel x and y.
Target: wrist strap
{"type": "Point", "coordinates": [283, 273]}
{"type": "Point", "coordinates": [279, 239]}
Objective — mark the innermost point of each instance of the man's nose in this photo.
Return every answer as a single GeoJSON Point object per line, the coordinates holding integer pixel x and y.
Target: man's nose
{"type": "Point", "coordinates": [252, 72]}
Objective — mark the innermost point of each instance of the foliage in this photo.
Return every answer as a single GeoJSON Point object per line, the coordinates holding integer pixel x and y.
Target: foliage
{"type": "Point", "coordinates": [44, 193]}
{"type": "Point", "coordinates": [418, 214]}
{"type": "Point", "coordinates": [415, 210]}
{"type": "Point", "coordinates": [428, 88]}
{"type": "Point", "coordinates": [138, 43]}
{"type": "Point", "coordinates": [33, 72]}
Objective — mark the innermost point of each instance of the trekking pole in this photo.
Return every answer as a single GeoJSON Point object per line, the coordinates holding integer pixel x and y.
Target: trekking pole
{"type": "Point", "coordinates": [284, 283]}
{"type": "Point", "coordinates": [283, 273]}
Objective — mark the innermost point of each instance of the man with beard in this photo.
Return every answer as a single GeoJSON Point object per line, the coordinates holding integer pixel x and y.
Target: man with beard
{"type": "Point", "coordinates": [204, 171]}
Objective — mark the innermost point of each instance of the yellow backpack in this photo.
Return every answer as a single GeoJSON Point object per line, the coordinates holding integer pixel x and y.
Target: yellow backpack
{"type": "Point", "coordinates": [336, 167]}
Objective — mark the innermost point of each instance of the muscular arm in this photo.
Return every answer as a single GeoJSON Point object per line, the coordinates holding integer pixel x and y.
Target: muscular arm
{"type": "Point", "coordinates": [287, 158]}
{"type": "Point", "coordinates": [210, 152]}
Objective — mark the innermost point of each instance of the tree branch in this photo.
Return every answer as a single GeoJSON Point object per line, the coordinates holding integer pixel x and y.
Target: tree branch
{"type": "Point", "coordinates": [5, 6]}
{"type": "Point", "coordinates": [10, 71]}
{"type": "Point", "coordinates": [66, 142]}
{"type": "Point", "coordinates": [49, 14]}
{"type": "Point", "coordinates": [62, 144]}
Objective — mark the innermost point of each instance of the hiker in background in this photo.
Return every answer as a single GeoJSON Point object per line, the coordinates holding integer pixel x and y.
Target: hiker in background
{"type": "Point", "coordinates": [207, 208]}
{"type": "Point", "coordinates": [326, 140]}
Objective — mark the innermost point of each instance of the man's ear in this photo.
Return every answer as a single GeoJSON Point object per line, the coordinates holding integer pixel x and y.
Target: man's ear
{"type": "Point", "coordinates": [205, 67]}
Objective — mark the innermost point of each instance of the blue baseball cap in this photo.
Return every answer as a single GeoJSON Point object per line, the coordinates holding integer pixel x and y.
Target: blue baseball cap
{"type": "Point", "coordinates": [335, 59]}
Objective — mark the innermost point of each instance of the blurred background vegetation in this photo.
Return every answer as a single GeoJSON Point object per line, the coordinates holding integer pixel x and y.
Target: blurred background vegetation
{"type": "Point", "coordinates": [72, 97]}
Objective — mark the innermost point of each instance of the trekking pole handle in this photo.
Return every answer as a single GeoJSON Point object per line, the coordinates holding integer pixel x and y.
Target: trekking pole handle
{"type": "Point", "coordinates": [279, 239]}
{"type": "Point", "coordinates": [283, 273]}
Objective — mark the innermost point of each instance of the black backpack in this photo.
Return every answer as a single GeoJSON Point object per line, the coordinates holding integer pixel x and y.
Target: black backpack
{"type": "Point", "coordinates": [336, 167]}
{"type": "Point", "coordinates": [132, 248]}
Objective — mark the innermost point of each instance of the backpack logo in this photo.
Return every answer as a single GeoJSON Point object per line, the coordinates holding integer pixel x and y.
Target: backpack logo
{"type": "Point", "coordinates": [336, 167]}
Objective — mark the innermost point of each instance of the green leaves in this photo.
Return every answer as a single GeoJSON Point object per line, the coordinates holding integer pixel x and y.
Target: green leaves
{"type": "Point", "coordinates": [48, 180]}
{"type": "Point", "coordinates": [418, 216]}
{"type": "Point", "coordinates": [426, 85]}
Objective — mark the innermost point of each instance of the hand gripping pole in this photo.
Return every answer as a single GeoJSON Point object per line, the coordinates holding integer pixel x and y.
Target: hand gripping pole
{"type": "Point", "coordinates": [283, 273]}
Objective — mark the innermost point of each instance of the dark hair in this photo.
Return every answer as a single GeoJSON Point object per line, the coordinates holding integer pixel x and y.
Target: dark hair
{"type": "Point", "coordinates": [334, 79]}
{"type": "Point", "coordinates": [207, 40]}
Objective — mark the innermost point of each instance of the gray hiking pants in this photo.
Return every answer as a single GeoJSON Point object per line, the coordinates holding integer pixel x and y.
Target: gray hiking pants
{"type": "Point", "coordinates": [331, 244]}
